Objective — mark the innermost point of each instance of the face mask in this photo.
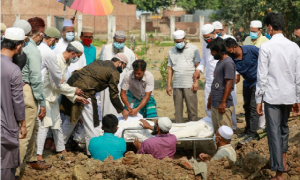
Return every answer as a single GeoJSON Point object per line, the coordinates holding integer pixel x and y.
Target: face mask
{"type": "Point", "coordinates": [38, 43]}
{"type": "Point", "coordinates": [70, 36]}
{"type": "Point", "coordinates": [74, 60]}
{"type": "Point", "coordinates": [180, 45]}
{"type": "Point", "coordinates": [207, 40]}
{"type": "Point", "coordinates": [220, 34]}
{"type": "Point", "coordinates": [118, 45]}
{"type": "Point", "coordinates": [87, 42]}
{"type": "Point", "coordinates": [120, 69]}
{"type": "Point", "coordinates": [253, 35]}
{"type": "Point", "coordinates": [217, 57]}
{"type": "Point", "coordinates": [214, 139]}
{"type": "Point", "coordinates": [53, 47]}
{"type": "Point", "coordinates": [267, 35]}
{"type": "Point", "coordinates": [26, 43]}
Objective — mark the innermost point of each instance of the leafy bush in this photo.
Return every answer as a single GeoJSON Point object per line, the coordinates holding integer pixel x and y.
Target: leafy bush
{"type": "Point", "coordinates": [164, 73]}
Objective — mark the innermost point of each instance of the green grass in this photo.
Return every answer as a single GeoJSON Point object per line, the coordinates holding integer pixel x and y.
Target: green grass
{"type": "Point", "coordinates": [166, 44]}
{"type": "Point", "coordinates": [98, 42]}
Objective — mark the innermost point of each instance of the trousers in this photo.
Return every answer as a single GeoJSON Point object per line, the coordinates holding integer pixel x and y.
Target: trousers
{"type": "Point", "coordinates": [277, 133]}
{"type": "Point", "coordinates": [251, 116]}
{"type": "Point", "coordinates": [57, 136]}
{"type": "Point", "coordinates": [88, 122]}
{"type": "Point", "coordinates": [8, 173]}
{"type": "Point", "coordinates": [28, 144]}
{"type": "Point", "coordinates": [191, 102]}
{"type": "Point", "coordinates": [219, 119]}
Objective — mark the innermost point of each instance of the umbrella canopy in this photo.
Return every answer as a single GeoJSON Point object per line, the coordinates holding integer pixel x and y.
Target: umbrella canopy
{"type": "Point", "coordinates": [93, 7]}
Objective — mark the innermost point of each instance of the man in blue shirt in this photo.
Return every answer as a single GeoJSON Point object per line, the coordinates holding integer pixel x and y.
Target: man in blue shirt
{"type": "Point", "coordinates": [87, 39]}
{"type": "Point", "coordinates": [246, 60]}
{"type": "Point", "coordinates": [108, 145]}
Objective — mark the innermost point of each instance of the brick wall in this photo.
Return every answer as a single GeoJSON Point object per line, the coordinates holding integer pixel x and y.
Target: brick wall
{"type": "Point", "coordinates": [173, 13]}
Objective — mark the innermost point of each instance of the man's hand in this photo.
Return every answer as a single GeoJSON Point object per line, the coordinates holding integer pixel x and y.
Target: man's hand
{"type": "Point", "coordinates": [237, 78]}
{"type": "Point", "coordinates": [169, 90]}
{"type": "Point", "coordinates": [196, 75]}
{"type": "Point", "coordinates": [259, 109]}
{"type": "Point", "coordinates": [137, 144]}
{"type": "Point", "coordinates": [145, 124]}
{"type": "Point", "coordinates": [195, 86]}
{"type": "Point", "coordinates": [296, 108]}
{"type": "Point", "coordinates": [62, 80]}
{"type": "Point", "coordinates": [23, 132]}
{"type": "Point", "coordinates": [125, 113]}
{"type": "Point", "coordinates": [79, 92]}
{"type": "Point", "coordinates": [208, 104]}
{"type": "Point", "coordinates": [222, 107]}
{"type": "Point", "coordinates": [42, 113]}
{"type": "Point", "coordinates": [82, 100]}
{"type": "Point", "coordinates": [134, 112]}
{"type": "Point", "coordinates": [204, 157]}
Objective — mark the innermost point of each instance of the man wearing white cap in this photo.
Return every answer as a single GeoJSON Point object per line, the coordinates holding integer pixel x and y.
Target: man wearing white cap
{"type": "Point", "coordinates": [182, 62]}
{"type": "Point", "coordinates": [219, 30]}
{"type": "Point", "coordinates": [52, 92]}
{"type": "Point", "coordinates": [12, 103]}
{"type": "Point", "coordinates": [87, 39]}
{"type": "Point", "coordinates": [92, 79]}
{"type": "Point", "coordinates": [208, 63]}
{"type": "Point", "coordinates": [256, 38]}
{"type": "Point", "coordinates": [68, 36]}
{"type": "Point", "coordinates": [107, 53]}
{"type": "Point", "coordinates": [222, 139]}
{"type": "Point", "coordinates": [163, 144]}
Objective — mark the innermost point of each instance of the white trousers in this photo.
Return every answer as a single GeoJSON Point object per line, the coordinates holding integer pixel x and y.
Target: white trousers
{"type": "Point", "coordinates": [207, 91]}
{"type": "Point", "coordinates": [88, 122]}
{"type": "Point", "coordinates": [42, 135]}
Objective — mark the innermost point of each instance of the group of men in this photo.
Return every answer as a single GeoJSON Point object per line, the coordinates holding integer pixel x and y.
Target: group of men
{"type": "Point", "coordinates": [45, 72]}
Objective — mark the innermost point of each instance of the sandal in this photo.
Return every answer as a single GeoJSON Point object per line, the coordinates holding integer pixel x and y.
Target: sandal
{"type": "Point", "coordinates": [289, 168]}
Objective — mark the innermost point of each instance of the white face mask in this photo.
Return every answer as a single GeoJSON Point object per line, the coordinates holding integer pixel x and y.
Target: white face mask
{"type": "Point", "coordinates": [74, 60]}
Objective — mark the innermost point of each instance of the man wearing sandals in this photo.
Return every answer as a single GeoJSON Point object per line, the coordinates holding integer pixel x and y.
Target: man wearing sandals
{"type": "Point", "coordinates": [278, 87]}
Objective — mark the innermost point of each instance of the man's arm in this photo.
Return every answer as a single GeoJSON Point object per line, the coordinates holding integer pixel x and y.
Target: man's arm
{"type": "Point", "coordinates": [142, 103]}
{"type": "Point", "coordinates": [125, 99]}
{"type": "Point", "coordinates": [227, 91]}
{"type": "Point", "coordinates": [262, 77]}
{"type": "Point", "coordinates": [124, 88]}
{"type": "Point", "coordinates": [101, 53]}
{"type": "Point", "coordinates": [35, 77]}
{"type": "Point", "coordinates": [201, 66]}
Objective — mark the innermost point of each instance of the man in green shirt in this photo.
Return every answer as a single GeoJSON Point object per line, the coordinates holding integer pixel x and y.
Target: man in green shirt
{"type": "Point", "coordinates": [87, 39]}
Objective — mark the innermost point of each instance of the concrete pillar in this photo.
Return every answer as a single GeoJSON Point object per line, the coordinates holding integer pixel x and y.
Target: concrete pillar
{"type": "Point", "coordinates": [172, 26]}
{"type": "Point", "coordinates": [79, 25]}
{"type": "Point", "coordinates": [17, 17]}
{"type": "Point", "coordinates": [143, 28]}
{"type": "Point", "coordinates": [49, 20]}
{"type": "Point", "coordinates": [111, 27]}
{"type": "Point", "coordinates": [201, 24]}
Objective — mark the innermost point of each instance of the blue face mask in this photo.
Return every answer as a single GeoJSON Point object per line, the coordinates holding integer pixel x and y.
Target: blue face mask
{"type": "Point", "coordinates": [267, 35]}
{"type": "Point", "coordinates": [118, 45]}
{"type": "Point", "coordinates": [180, 45]}
{"type": "Point", "coordinates": [27, 43]}
{"type": "Point", "coordinates": [70, 36]}
{"type": "Point", "coordinates": [253, 35]}
{"type": "Point", "coordinates": [220, 34]}
{"type": "Point", "coordinates": [53, 47]}
{"type": "Point", "coordinates": [214, 139]}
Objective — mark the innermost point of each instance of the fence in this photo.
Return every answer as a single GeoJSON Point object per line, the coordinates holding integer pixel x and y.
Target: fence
{"type": "Point", "coordinates": [130, 24]}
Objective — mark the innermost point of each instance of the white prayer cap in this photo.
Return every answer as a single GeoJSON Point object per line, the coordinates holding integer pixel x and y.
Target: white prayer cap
{"type": "Point", "coordinates": [3, 27]}
{"type": "Point", "coordinates": [15, 34]}
{"type": "Point", "coordinates": [165, 124]}
{"type": "Point", "coordinates": [23, 24]}
{"type": "Point", "coordinates": [179, 34]}
{"type": "Point", "coordinates": [217, 25]}
{"type": "Point", "coordinates": [120, 35]}
{"type": "Point", "coordinates": [226, 132]}
{"type": "Point", "coordinates": [207, 29]}
{"type": "Point", "coordinates": [78, 46]}
{"type": "Point", "coordinates": [122, 57]}
{"type": "Point", "coordinates": [256, 24]}
{"type": "Point", "coordinates": [68, 23]}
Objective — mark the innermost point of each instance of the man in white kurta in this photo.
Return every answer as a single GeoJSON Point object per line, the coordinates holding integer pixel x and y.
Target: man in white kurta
{"type": "Point", "coordinates": [208, 64]}
{"type": "Point", "coordinates": [107, 53]}
{"type": "Point", "coordinates": [52, 93]}
{"type": "Point", "coordinates": [67, 37]}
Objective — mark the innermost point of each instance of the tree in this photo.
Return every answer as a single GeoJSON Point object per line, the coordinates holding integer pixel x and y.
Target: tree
{"type": "Point", "coordinates": [188, 5]}
{"type": "Point", "coordinates": [241, 12]}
